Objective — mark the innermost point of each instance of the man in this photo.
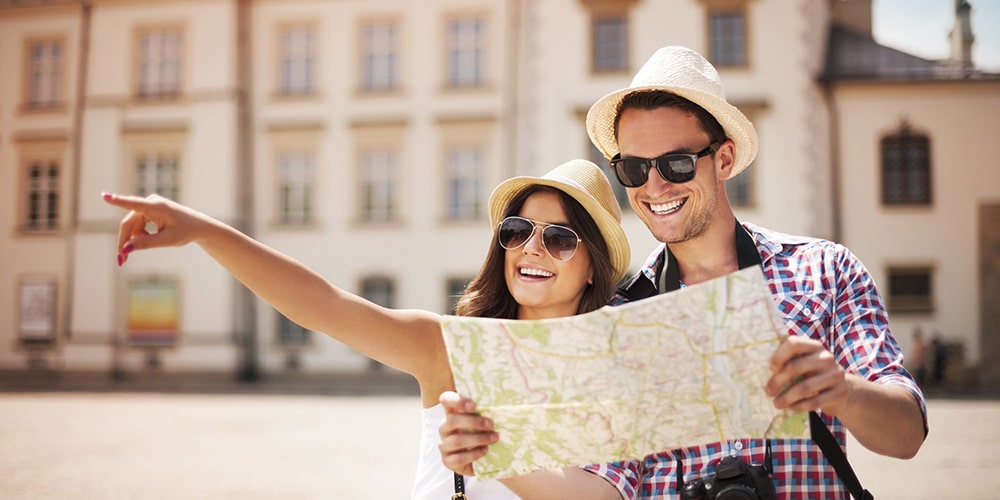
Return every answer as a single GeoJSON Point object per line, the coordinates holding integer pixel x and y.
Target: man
{"type": "Point", "coordinates": [673, 141]}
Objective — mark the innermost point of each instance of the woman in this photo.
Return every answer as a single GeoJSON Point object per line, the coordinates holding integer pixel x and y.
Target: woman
{"type": "Point", "coordinates": [558, 249]}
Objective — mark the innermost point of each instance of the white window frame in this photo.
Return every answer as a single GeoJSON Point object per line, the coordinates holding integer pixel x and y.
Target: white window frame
{"type": "Point", "coordinates": [610, 48]}
{"type": "Point", "coordinates": [297, 60]}
{"type": "Point", "coordinates": [44, 75]}
{"type": "Point", "coordinates": [466, 51]}
{"type": "Point", "coordinates": [466, 169]}
{"type": "Point", "coordinates": [728, 36]}
{"type": "Point", "coordinates": [377, 190]}
{"type": "Point", "coordinates": [159, 62]}
{"type": "Point", "coordinates": [379, 56]}
{"type": "Point", "coordinates": [42, 195]}
{"type": "Point", "coordinates": [295, 180]}
{"type": "Point", "coordinates": [157, 172]}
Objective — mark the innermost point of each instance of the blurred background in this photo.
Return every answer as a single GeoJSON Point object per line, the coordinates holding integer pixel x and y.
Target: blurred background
{"type": "Point", "coordinates": [364, 138]}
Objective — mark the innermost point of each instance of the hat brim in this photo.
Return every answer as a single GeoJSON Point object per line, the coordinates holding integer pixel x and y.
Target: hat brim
{"type": "Point", "coordinates": [602, 115]}
{"type": "Point", "coordinates": [610, 228]}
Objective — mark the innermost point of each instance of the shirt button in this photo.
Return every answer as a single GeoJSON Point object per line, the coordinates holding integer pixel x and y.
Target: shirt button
{"type": "Point", "coordinates": [738, 445]}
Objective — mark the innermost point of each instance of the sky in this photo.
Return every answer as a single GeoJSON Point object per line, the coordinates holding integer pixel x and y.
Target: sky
{"type": "Point", "coordinates": [921, 27]}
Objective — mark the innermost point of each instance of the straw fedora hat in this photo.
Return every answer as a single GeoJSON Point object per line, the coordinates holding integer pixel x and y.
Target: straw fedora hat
{"type": "Point", "coordinates": [587, 184]}
{"type": "Point", "coordinates": [684, 72]}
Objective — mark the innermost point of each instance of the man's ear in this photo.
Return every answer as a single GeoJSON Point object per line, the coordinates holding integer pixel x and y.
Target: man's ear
{"type": "Point", "coordinates": [725, 158]}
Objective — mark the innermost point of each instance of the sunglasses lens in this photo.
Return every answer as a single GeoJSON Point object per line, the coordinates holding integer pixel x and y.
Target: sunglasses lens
{"type": "Point", "coordinates": [514, 231]}
{"type": "Point", "coordinates": [560, 242]}
{"type": "Point", "coordinates": [631, 172]}
{"type": "Point", "coordinates": [676, 169]}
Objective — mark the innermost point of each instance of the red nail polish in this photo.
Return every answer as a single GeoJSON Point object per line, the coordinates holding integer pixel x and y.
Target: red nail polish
{"type": "Point", "coordinates": [120, 260]}
{"type": "Point", "coordinates": [128, 249]}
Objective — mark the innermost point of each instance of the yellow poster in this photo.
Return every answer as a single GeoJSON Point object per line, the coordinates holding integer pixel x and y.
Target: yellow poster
{"type": "Point", "coordinates": [153, 312]}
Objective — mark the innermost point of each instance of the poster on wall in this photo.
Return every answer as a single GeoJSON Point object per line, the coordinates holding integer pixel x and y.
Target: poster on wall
{"type": "Point", "coordinates": [38, 311]}
{"type": "Point", "coordinates": [153, 311]}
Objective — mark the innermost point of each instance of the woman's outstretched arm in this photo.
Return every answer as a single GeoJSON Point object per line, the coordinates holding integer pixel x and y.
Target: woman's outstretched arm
{"type": "Point", "coordinates": [408, 340]}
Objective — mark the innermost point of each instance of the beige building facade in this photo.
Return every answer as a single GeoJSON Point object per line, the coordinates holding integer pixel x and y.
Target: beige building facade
{"type": "Point", "coordinates": [363, 138]}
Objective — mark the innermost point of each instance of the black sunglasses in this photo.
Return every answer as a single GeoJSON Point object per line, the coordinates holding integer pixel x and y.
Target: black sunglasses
{"type": "Point", "coordinates": [559, 241]}
{"type": "Point", "coordinates": [674, 167]}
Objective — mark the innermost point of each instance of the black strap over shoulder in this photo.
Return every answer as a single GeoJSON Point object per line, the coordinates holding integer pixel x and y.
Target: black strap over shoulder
{"type": "Point", "coordinates": [831, 450]}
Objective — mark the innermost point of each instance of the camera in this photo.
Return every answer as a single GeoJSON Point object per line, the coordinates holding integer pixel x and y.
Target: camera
{"type": "Point", "coordinates": [734, 479]}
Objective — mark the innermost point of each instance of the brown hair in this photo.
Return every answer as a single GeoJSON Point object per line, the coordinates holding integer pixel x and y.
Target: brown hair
{"type": "Point", "coordinates": [655, 99]}
{"type": "Point", "coordinates": [487, 295]}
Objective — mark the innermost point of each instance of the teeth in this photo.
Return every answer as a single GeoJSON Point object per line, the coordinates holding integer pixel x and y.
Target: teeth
{"type": "Point", "coordinates": [665, 208]}
{"type": "Point", "coordinates": [527, 271]}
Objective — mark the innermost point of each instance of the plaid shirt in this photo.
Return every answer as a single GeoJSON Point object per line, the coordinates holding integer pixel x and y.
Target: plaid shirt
{"type": "Point", "coordinates": [824, 292]}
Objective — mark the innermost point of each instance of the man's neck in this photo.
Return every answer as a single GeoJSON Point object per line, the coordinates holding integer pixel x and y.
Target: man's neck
{"type": "Point", "coordinates": [709, 255]}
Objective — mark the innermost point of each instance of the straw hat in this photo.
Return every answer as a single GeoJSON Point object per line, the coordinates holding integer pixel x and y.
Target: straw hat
{"type": "Point", "coordinates": [587, 184]}
{"type": "Point", "coordinates": [686, 73]}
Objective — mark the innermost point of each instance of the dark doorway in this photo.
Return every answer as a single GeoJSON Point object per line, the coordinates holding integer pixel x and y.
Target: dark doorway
{"type": "Point", "coordinates": [989, 296]}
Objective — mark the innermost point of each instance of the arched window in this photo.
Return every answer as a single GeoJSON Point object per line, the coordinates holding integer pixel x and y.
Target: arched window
{"type": "Point", "coordinates": [906, 168]}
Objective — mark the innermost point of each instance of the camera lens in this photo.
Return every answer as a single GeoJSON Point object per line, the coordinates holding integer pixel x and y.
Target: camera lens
{"type": "Point", "coordinates": [736, 492]}
{"type": "Point", "coordinates": [694, 490]}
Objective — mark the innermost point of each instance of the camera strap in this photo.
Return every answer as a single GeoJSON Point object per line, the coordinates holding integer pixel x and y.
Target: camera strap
{"type": "Point", "coordinates": [459, 487]}
{"type": "Point", "coordinates": [831, 450]}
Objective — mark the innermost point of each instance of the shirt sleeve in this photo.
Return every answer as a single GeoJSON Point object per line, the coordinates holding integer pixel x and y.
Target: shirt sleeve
{"type": "Point", "coordinates": [861, 339]}
{"type": "Point", "coordinates": [624, 476]}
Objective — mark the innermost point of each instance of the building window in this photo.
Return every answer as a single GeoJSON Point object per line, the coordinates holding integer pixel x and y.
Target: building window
{"type": "Point", "coordinates": [466, 39]}
{"type": "Point", "coordinates": [728, 36]}
{"type": "Point", "coordinates": [38, 311]}
{"type": "Point", "coordinates": [296, 61]}
{"type": "Point", "coordinates": [156, 173]}
{"type": "Point", "coordinates": [455, 289]}
{"type": "Point", "coordinates": [739, 189]}
{"type": "Point", "coordinates": [379, 57]}
{"type": "Point", "coordinates": [153, 313]}
{"type": "Point", "coordinates": [45, 73]}
{"type": "Point", "coordinates": [291, 334]}
{"type": "Point", "coordinates": [295, 178]}
{"type": "Point", "coordinates": [906, 168]}
{"type": "Point", "coordinates": [159, 64]}
{"type": "Point", "coordinates": [609, 52]}
{"type": "Point", "coordinates": [377, 185]}
{"type": "Point", "coordinates": [380, 290]}
{"type": "Point", "coordinates": [41, 211]}
{"type": "Point", "coordinates": [911, 289]}
{"type": "Point", "coordinates": [465, 179]}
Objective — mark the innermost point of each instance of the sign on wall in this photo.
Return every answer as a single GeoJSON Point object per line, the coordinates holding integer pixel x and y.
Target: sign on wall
{"type": "Point", "coordinates": [38, 311]}
{"type": "Point", "coordinates": [153, 313]}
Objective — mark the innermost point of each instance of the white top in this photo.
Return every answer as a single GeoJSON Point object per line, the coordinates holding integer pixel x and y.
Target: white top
{"type": "Point", "coordinates": [434, 481]}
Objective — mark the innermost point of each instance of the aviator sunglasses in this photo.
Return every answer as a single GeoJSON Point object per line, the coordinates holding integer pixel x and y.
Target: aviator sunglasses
{"type": "Point", "coordinates": [674, 167]}
{"type": "Point", "coordinates": [559, 241]}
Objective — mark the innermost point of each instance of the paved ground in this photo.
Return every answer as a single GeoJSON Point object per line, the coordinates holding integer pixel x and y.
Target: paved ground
{"type": "Point", "coordinates": [127, 445]}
